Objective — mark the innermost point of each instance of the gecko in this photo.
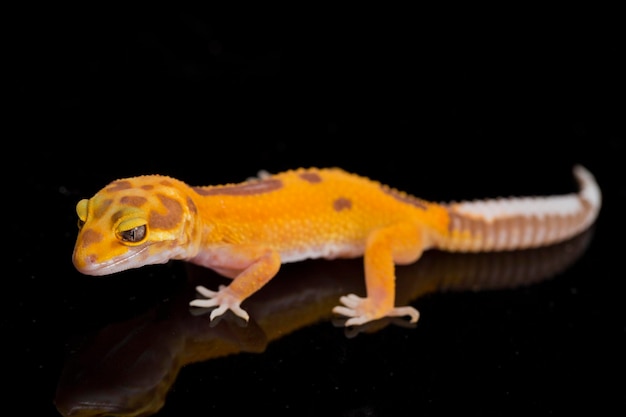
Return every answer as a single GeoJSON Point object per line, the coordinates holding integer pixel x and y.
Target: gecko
{"type": "Point", "coordinates": [245, 231]}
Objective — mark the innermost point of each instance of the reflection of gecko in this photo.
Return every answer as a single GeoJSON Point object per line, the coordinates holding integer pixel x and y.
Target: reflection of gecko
{"type": "Point", "coordinates": [128, 366]}
{"type": "Point", "coordinates": [245, 231]}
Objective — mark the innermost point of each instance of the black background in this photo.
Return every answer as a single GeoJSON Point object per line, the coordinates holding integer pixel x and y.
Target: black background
{"type": "Point", "coordinates": [444, 107]}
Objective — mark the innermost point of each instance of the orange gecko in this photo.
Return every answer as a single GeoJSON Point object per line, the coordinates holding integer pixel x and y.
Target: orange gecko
{"type": "Point", "coordinates": [246, 231]}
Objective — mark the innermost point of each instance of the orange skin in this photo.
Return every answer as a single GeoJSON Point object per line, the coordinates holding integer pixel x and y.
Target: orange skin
{"type": "Point", "coordinates": [246, 231]}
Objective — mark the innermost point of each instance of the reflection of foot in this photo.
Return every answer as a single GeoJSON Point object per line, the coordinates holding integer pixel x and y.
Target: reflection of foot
{"type": "Point", "coordinates": [223, 300]}
{"type": "Point", "coordinates": [361, 310]}
{"type": "Point", "coordinates": [372, 326]}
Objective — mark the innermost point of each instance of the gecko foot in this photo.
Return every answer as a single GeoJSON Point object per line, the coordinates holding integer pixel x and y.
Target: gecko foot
{"type": "Point", "coordinates": [361, 310]}
{"type": "Point", "coordinates": [223, 300]}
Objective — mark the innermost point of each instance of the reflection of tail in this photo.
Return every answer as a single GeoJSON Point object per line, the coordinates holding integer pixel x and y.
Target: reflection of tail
{"type": "Point", "coordinates": [523, 222]}
{"type": "Point", "coordinates": [444, 271]}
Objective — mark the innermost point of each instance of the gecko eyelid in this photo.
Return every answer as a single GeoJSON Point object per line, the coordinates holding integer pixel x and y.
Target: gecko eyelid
{"type": "Point", "coordinates": [134, 235]}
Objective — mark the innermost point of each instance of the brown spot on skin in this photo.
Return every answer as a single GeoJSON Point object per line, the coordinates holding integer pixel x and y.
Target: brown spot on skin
{"type": "Point", "coordinates": [342, 203]}
{"type": "Point", "coordinates": [551, 226]}
{"type": "Point", "coordinates": [499, 230]}
{"type": "Point", "coordinates": [248, 188]}
{"type": "Point", "coordinates": [166, 183]}
{"type": "Point", "coordinates": [171, 218]}
{"type": "Point", "coordinates": [483, 234]}
{"type": "Point", "coordinates": [102, 208]}
{"type": "Point", "coordinates": [586, 205]}
{"type": "Point", "coordinates": [311, 177]}
{"type": "Point", "coordinates": [135, 201]}
{"type": "Point", "coordinates": [583, 214]}
{"type": "Point", "coordinates": [501, 233]}
{"type": "Point", "coordinates": [119, 185]}
{"type": "Point", "coordinates": [491, 233]}
{"type": "Point", "coordinates": [192, 206]}
{"type": "Point", "coordinates": [510, 232]}
{"type": "Point", "coordinates": [568, 224]}
{"type": "Point", "coordinates": [117, 215]}
{"type": "Point", "coordinates": [474, 226]}
{"type": "Point", "coordinates": [147, 187]}
{"type": "Point", "coordinates": [476, 231]}
{"type": "Point", "coordinates": [405, 198]}
{"type": "Point", "coordinates": [456, 222]}
{"type": "Point", "coordinates": [90, 237]}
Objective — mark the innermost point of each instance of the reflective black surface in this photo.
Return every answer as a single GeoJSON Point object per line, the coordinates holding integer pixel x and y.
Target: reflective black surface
{"type": "Point", "coordinates": [441, 111]}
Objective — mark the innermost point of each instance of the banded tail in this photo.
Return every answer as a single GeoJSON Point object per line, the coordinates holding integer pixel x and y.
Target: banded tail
{"type": "Point", "coordinates": [523, 222]}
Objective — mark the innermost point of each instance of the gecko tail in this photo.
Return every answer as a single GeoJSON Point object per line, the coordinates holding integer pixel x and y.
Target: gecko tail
{"type": "Point", "coordinates": [589, 189]}
{"type": "Point", "coordinates": [522, 222]}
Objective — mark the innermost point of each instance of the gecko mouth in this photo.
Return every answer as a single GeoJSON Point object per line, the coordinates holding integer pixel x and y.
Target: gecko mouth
{"type": "Point", "coordinates": [90, 266]}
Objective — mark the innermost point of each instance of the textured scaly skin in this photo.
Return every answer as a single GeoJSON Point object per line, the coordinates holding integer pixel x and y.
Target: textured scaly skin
{"type": "Point", "coordinates": [246, 231]}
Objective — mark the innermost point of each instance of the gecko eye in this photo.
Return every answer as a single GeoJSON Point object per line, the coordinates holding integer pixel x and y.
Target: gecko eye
{"type": "Point", "coordinates": [132, 231]}
{"type": "Point", "coordinates": [134, 235]}
{"type": "Point", "coordinates": [81, 210]}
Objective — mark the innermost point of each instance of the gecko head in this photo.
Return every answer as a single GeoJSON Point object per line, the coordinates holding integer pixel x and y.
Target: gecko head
{"type": "Point", "coordinates": [131, 223]}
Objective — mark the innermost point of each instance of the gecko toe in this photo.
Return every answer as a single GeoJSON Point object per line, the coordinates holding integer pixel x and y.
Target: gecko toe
{"type": "Point", "coordinates": [356, 321]}
{"type": "Point", "coordinates": [413, 314]}
{"type": "Point", "coordinates": [205, 292]}
{"type": "Point", "coordinates": [344, 311]}
{"type": "Point", "coordinates": [351, 300]}
{"type": "Point", "coordinates": [240, 312]}
{"type": "Point", "coordinates": [218, 311]}
{"type": "Point", "coordinates": [204, 303]}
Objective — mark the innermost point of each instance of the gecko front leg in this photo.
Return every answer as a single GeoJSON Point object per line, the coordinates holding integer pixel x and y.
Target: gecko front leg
{"type": "Point", "coordinates": [250, 266]}
{"type": "Point", "coordinates": [397, 244]}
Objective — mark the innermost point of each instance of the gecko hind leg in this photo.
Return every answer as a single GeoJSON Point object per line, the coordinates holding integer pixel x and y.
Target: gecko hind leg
{"type": "Point", "coordinates": [396, 244]}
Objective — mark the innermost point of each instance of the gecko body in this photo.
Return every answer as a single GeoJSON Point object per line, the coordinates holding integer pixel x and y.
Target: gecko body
{"type": "Point", "coordinates": [245, 231]}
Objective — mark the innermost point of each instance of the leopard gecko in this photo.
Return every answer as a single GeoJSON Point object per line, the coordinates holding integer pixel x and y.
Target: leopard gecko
{"type": "Point", "coordinates": [245, 231]}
